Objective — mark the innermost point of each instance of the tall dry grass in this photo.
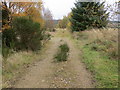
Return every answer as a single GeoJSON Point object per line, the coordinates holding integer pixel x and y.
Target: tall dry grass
{"type": "Point", "coordinates": [101, 39]}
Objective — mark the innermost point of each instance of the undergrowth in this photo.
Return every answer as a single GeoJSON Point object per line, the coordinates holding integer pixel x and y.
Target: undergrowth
{"type": "Point", "coordinates": [100, 55]}
{"type": "Point", "coordinates": [105, 71]}
{"type": "Point", "coordinates": [62, 53]}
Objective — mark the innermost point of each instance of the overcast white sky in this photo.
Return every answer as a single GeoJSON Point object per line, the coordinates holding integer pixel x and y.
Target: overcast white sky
{"type": "Point", "coordinates": [59, 8]}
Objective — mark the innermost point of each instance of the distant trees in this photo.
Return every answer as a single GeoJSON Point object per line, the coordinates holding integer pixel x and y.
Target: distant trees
{"type": "Point", "coordinates": [88, 14]}
{"type": "Point", "coordinates": [49, 23]}
{"type": "Point", "coordinates": [63, 23]}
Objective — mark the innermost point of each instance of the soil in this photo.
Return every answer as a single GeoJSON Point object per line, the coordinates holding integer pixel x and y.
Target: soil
{"type": "Point", "coordinates": [49, 74]}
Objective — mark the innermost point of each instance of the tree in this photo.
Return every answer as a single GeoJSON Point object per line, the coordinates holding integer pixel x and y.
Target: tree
{"type": "Point", "coordinates": [35, 14]}
{"type": "Point", "coordinates": [88, 14]}
{"type": "Point", "coordinates": [114, 10]}
{"type": "Point", "coordinates": [12, 9]}
{"type": "Point", "coordinates": [63, 23]}
{"type": "Point", "coordinates": [48, 18]}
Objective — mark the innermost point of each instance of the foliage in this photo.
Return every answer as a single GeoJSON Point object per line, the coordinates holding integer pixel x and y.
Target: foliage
{"type": "Point", "coordinates": [8, 37]}
{"type": "Point", "coordinates": [28, 33]}
{"type": "Point", "coordinates": [8, 42]}
{"type": "Point", "coordinates": [49, 23]}
{"type": "Point", "coordinates": [63, 23]}
{"type": "Point", "coordinates": [88, 14]}
{"type": "Point", "coordinates": [12, 9]}
{"type": "Point", "coordinates": [24, 35]}
{"type": "Point", "coordinates": [102, 40]}
{"type": "Point", "coordinates": [22, 26]}
{"type": "Point", "coordinates": [5, 17]}
{"type": "Point", "coordinates": [63, 53]}
{"type": "Point", "coordinates": [69, 23]}
{"type": "Point", "coordinates": [35, 15]}
{"type": "Point", "coordinates": [114, 10]}
{"type": "Point", "coordinates": [16, 64]}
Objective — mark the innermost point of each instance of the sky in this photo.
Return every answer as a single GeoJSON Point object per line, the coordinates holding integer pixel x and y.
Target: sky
{"type": "Point", "coordinates": [60, 8]}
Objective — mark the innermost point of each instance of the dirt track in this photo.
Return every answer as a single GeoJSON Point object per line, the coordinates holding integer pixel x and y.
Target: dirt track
{"type": "Point", "coordinates": [49, 74]}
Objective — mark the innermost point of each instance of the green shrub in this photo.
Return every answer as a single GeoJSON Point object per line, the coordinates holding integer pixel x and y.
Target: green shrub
{"type": "Point", "coordinates": [8, 42]}
{"type": "Point", "coordinates": [8, 38]}
{"type": "Point", "coordinates": [28, 33]}
{"type": "Point", "coordinates": [63, 53]}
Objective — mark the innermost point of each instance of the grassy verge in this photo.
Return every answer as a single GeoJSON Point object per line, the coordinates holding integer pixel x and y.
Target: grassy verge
{"type": "Point", "coordinates": [100, 55]}
{"type": "Point", "coordinates": [105, 70]}
{"type": "Point", "coordinates": [62, 53]}
{"type": "Point", "coordinates": [16, 65]}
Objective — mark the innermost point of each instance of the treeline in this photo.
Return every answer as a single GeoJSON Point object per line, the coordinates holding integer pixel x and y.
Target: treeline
{"type": "Point", "coordinates": [64, 23]}
{"type": "Point", "coordinates": [24, 26]}
{"type": "Point", "coordinates": [87, 15]}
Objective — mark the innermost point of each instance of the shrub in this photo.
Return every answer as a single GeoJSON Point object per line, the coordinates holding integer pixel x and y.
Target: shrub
{"type": "Point", "coordinates": [8, 42]}
{"type": "Point", "coordinates": [8, 38]}
{"type": "Point", "coordinates": [63, 53]}
{"type": "Point", "coordinates": [28, 33]}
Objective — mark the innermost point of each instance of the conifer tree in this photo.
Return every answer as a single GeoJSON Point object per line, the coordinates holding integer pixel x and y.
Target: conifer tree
{"type": "Point", "coordinates": [88, 14]}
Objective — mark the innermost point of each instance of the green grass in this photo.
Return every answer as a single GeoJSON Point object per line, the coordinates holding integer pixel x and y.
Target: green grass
{"type": "Point", "coordinates": [62, 33]}
{"type": "Point", "coordinates": [62, 53]}
{"type": "Point", "coordinates": [105, 71]}
{"type": "Point", "coordinates": [97, 60]}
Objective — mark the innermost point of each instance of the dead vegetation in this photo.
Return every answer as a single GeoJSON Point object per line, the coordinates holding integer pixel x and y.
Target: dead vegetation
{"type": "Point", "coordinates": [105, 40]}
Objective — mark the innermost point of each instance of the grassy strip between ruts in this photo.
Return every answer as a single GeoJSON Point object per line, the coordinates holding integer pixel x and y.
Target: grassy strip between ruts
{"type": "Point", "coordinates": [105, 71]}
{"type": "Point", "coordinates": [62, 53]}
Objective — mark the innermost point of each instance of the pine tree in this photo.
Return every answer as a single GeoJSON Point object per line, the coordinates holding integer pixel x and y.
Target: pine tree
{"type": "Point", "coordinates": [88, 14]}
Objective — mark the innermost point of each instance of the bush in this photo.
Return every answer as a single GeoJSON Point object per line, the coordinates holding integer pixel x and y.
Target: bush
{"type": "Point", "coordinates": [28, 33]}
{"type": "Point", "coordinates": [63, 53]}
{"type": "Point", "coordinates": [24, 34]}
{"type": "Point", "coordinates": [8, 38]}
{"type": "Point", "coordinates": [8, 42]}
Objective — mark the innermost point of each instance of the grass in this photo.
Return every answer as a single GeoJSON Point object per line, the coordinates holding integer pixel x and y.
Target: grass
{"type": "Point", "coordinates": [12, 65]}
{"type": "Point", "coordinates": [105, 70]}
{"type": "Point", "coordinates": [62, 53]}
{"type": "Point", "coordinates": [105, 40]}
{"type": "Point", "coordinates": [62, 33]}
{"type": "Point", "coordinates": [17, 63]}
{"type": "Point", "coordinates": [100, 55]}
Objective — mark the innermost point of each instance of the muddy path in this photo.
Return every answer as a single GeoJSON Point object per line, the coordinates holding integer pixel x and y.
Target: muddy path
{"type": "Point", "coordinates": [49, 74]}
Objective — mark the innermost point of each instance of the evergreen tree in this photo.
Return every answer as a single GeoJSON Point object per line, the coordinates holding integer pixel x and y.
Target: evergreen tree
{"type": "Point", "coordinates": [88, 14]}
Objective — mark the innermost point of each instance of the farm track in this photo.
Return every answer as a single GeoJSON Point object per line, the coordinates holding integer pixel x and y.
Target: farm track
{"type": "Point", "coordinates": [49, 74]}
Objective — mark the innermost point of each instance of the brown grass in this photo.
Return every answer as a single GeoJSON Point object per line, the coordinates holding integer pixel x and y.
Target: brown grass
{"type": "Point", "coordinates": [105, 40]}
{"type": "Point", "coordinates": [13, 66]}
